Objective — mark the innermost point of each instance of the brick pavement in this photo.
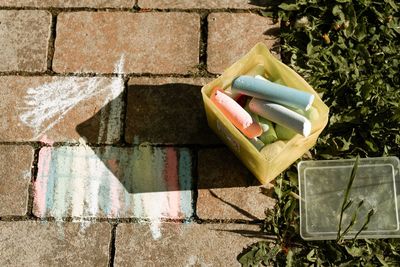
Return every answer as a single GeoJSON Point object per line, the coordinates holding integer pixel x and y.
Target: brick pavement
{"type": "Point", "coordinates": [106, 158]}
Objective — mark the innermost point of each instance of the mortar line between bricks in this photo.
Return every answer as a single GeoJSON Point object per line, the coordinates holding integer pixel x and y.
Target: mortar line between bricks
{"type": "Point", "coordinates": [195, 176]}
{"type": "Point", "coordinates": [124, 112]}
{"type": "Point", "coordinates": [107, 75]}
{"type": "Point", "coordinates": [51, 44]}
{"type": "Point", "coordinates": [13, 218]}
{"type": "Point", "coordinates": [37, 144]}
{"type": "Point", "coordinates": [228, 221]}
{"type": "Point", "coordinates": [135, 9]}
{"type": "Point", "coordinates": [34, 172]}
{"type": "Point", "coordinates": [112, 244]}
{"type": "Point", "coordinates": [203, 43]}
{"type": "Point", "coordinates": [34, 144]}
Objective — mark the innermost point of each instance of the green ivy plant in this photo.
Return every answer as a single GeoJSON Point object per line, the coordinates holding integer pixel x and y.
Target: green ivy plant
{"type": "Point", "coordinates": [349, 51]}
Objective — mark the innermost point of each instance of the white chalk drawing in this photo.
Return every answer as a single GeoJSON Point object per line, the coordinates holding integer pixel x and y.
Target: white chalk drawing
{"type": "Point", "coordinates": [47, 105]}
{"type": "Point", "coordinates": [73, 180]}
{"type": "Point", "coordinates": [113, 125]}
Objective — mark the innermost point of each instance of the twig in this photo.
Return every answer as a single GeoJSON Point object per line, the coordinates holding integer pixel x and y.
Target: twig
{"type": "Point", "coordinates": [370, 213]}
{"type": "Point", "coordinates": [345, 203]}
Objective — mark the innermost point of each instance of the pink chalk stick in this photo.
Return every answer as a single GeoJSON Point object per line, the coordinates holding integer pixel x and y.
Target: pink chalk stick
{"type": "Point", "coordinates": [236, 114]}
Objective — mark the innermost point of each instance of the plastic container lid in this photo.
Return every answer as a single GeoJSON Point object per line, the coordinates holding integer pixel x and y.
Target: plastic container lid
{"type": "Point", "coordinates": [322, 185]}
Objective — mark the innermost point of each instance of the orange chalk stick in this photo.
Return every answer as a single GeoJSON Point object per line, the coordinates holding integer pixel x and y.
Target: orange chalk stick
{"type": "Point", "coordinates": [236, 114]}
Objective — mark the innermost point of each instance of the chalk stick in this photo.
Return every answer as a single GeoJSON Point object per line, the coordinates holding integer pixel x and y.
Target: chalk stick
{"type": "Point", "coordinates": [255, 117]}
{"type": "Point", "coordinates": [257, 70]}
{"type": "Point", "coordinates": [232, 95]}
{"type": "Point", "coordinates": [284, 133]}
{"type": "Point", "coordinates": [257, 143]}
{"type": "Point", "coordinates": [268, 136]}
{"type": "Point", "coordinates": [281, 115]}
{"type": "Point", "coordinates": [236, 114]}
{"type": "Point", "coordinates": [312, 114]}
{"type": "Point", "coordinates": [264, 89]}
{"type": "Point", "coordinates": [264, 126]}
{"type": "Point", "coordinates": [273, 149]}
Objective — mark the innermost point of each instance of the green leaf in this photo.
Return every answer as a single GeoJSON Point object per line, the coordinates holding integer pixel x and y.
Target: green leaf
{"type": "Point", "coordinates": [311, 256]}
{"type": "Point", "coordinates": [268, 14]}
{"type": "Point", "coordinates": [337, 11]}
{"type": "Point", "coordinates": [371, 145]}
{"type": "Point", "coordinates": [392, 4]}
{"type": "Point", "coordinates": [354, 251]}
{"type": "Point", "coordinates": [293, 178]}
{"type": "Point", "coordinates": [382, 260]}
{"type": "Point", "coordinates": [289, 258]}
{"type": "Point", "coordinates": [365, 2]}
{"type": "Point", "coordinates": [361, 31]}
{"type": "Point", "coordinates": [278, 192]}
{"type": "Point", "coordinates": [289, 7]}
{"type": "Point", "coordinates": [247, 259]}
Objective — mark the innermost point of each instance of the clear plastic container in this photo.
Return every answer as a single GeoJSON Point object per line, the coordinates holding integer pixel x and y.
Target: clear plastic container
{"type": "Point", "coordinates": [322, 185]}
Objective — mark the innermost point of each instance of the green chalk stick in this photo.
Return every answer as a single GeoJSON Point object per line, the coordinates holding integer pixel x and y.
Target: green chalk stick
{"type": "Point", "coordinates": [268, 136]}
{"type": "Point", "coordinates": [279, 81]}
{"type": "Point", "coordinates": [284, 133]}
{"type": "Point", "coordinates": [257, 143]}
{"type": "Point", "coordinates": [312, 114]}
{"type": "Point", "coordinates": [273, 149]}
{"type": "Point", "coordinates": [257, 70]}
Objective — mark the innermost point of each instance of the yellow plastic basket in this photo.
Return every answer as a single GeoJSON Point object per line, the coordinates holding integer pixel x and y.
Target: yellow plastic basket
{"type": "Point", "coordinates": [264, 167]}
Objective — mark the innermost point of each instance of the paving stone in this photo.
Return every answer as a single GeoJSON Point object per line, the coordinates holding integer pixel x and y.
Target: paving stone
{"type": "Point", "coordinates": [227, 190]}
{"type": "Point", "coordinates": [199, 4]}
{"type": "Point", "coordinates": [60, 109]}
{"type": "Point", "coordinates": [183, 244]}
{"type": "Point", "coordinates": [69, 3]}
{"type": "Point", "coordinates": [15, 175]}
{"type": "Point", "coordinates": [232, 35]}
{"type": "Point", "coordinates": [114, 182]}
{"type": "Point", "coordinates": [167, 110]}
{"type": "Point", "coordinates": [146, 42]}
{"type": "Point", "coordinates": [30, 243]}
{"type": "Point", "coordinates": [24, 37]}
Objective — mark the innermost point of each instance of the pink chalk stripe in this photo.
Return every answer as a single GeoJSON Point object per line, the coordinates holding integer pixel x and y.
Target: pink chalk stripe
{"type": "Point", "coordinates": [40, 185]}
{"type": "Point", "coordinates": [172, 182]}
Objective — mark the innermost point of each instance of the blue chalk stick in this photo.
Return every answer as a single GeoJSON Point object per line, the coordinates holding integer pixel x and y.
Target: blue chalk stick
{"type": "Point", "coordinates": [264, 89]}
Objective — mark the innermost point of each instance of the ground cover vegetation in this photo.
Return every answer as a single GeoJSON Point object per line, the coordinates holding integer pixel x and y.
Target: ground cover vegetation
{"type": "Point", "coordinates": [349, 51]}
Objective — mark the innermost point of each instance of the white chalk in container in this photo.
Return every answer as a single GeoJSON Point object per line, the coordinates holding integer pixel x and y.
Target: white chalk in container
{"type": "Point", "coordinates": [281, 115]}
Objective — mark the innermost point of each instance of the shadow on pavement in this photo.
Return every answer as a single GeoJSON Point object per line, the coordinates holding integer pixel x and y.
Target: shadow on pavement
{"type": "Point", "coordinates": [170, 120]}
